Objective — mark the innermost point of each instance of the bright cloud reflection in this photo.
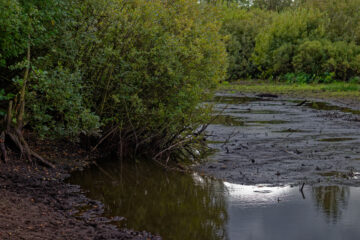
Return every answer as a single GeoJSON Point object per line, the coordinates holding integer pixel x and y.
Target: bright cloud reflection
{"type": "Point", "coordinates": [257, 194]}
{"type": "Point", "coordinates": [252, 195]}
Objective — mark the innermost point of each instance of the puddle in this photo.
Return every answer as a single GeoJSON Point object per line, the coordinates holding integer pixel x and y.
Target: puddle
{"type": "Point", "coordinates": [180, 206]}
{"type": "Point", "coordinates": [234, 99]}
{"type": "Point", "coordinates": [269, 122]}
{"type": "Point", "coordinates": [336, 174]}
{"type": "Point", "coordinates": [336, 139]}
{"type": "Point", "coordinates": [215, 142]}
{"type": "Point", "coordinates": [228, 120]}
{"type": "Point", "coordinates": [251, 111]}
{"type": "Point", "coordinates": [327, 106]}
{"type": "Point", "coordinates": [290, 130]}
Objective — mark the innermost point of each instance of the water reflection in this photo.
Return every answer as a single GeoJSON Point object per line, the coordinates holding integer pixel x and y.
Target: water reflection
{"type": "Point", "coordinates": [331, 200]}
{"type": "Point", "coordinates": [180, 206]}
{"type": "Point", "coordinates": [175, 205]}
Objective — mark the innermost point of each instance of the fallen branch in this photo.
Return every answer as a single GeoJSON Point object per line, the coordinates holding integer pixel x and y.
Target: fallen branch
{"type": "Point", "coordinates": [171, 147]}
{"type": "Point", "coordinates": [302, 103]}
{"type": "Point", "coordinates": [302, 190]}
{"type": "Point", "coordinates": [42, 160]}
{"type": "Point", "coordinates": [105, 137]}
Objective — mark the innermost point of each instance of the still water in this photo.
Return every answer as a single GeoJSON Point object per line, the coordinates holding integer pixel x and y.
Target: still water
{"type": "Point", "coordinates": [186, 207]}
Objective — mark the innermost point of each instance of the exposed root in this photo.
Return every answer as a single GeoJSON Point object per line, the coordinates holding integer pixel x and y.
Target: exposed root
{"type": "Point", "coordinates": [3, 152]}
{"type": "Point", "coordinates": [12, 133]}
{"type": "Point", "coordinates": [22, 146]}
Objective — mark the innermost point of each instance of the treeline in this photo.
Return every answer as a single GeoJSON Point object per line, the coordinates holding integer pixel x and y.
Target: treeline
{"type": "Point", "coordinates": [307, 41]}
{"type": "Point", "coordinates": [129, 75]}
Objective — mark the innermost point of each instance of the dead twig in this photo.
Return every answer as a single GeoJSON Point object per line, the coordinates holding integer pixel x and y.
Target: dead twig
{"type": "Point", "coordinates": [105, 137]}
{"type": "Point", "coordinates": [302, 103]}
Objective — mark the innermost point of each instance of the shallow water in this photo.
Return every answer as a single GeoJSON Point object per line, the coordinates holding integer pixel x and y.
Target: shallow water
{"type": "Point", "coordinates": [180, 206]}
{"type": "Point", "coordinates": [256, 141]}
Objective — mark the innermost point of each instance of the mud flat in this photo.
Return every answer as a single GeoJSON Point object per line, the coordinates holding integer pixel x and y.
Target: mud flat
{"type": "Point", "coordinates": [280, 141]}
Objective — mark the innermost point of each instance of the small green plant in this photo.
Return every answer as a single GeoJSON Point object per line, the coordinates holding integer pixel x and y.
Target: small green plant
{"type": "Point", "coordinates": [305, 78]}
{"type": "Point", "coordinates": [4, 98]}
{"type": "Point", "coordinates": [355, 80]}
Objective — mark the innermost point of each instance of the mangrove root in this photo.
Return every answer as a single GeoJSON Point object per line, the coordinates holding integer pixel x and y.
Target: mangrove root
{"type": "Point", "coordinates": [22, 146]}
{"type": "Point", "coordinates": [14, 134]}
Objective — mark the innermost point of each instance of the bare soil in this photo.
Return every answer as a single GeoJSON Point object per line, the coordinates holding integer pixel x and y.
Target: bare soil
{"type": "Point", "coordinates": [36, 203]}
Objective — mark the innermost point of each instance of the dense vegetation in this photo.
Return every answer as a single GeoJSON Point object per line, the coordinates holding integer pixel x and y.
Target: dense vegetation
{"type": "Point", "coordinates": [128, 73]}
{"type": "Point", "coordinates": [131, 74]}
{"type": "Point", "coordinates": [307, 41]}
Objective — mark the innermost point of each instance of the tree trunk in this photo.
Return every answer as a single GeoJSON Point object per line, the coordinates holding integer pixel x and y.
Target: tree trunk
{"type": "Point", "coordinates": [3, 152]}
{"type": "Point", "coordinates": [14, 131]}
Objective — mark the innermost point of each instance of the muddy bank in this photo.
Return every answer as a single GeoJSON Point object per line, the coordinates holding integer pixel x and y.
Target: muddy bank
{"type": "Point", "coordinates": [35, 203]}
{"type": "Point", "coordinates": [262, 139]}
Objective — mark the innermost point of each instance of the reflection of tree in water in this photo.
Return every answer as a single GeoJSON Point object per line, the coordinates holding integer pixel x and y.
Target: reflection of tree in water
{"type": "Point", "coordinates": [332, 200]}
{"type": "Point", "coordinates": [174, 205]}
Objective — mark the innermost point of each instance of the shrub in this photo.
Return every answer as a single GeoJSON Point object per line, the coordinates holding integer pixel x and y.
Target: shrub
{"type": "Point", "coordinates": [342, 59]}
{"type": "Point", "coordinates": [147, 66]}
{"type": "Point", "coordinates": [56, 107]}
{"type": "Point", "coordinates": [242, 26]}
{"type": "Point", "coordinates": [276, 45]}
{"type": "Point", "coordinates": [309, 57]}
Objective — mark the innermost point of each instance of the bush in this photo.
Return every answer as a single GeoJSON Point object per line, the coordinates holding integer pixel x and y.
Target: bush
{"type": "Point", "coordinates": [56, 107]}
{"type": "Point", "coordinates": [276, 45]}
{"type": "Point", "coordinates": [242, 26]}
{"type": "Point", "coordinates": [305, 78]}
{"type": "Point", "coordinates": [146, 66]}
{"type": "Point", "coordinates": [342, 59]}
{"type": "Point", "coordinates": [12, 43]}
{"type": "Point", "coordinates": [342, 18]}
{"type": "Point", "coordinates": [309, 57]}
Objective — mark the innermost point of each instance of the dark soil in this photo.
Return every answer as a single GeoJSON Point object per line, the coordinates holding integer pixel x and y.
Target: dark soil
{"type": "Point", "coordinates": [36, 203]}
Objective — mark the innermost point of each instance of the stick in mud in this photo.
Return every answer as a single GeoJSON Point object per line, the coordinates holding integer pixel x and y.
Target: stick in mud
{"type": "Point", "coordinates": [302, 190]}
{"type": "Point", "coordinates": [302, 103]}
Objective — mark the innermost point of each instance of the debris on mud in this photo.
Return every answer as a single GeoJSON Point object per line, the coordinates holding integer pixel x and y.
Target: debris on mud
{"type": "Point", "coordinates": [289, 144]}
{"type": "Point", "coordinates": [267, 95]}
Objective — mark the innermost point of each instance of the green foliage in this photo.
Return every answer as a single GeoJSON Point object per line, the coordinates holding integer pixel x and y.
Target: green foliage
{"type": "Point", "coordinates": [54, 99]}
{"type": "Point", "coordinates": [355, 80]}
{"type": "Point", "coordinates": [274, 5]}
{"type": "Point", "coordinates": [276, 44]}
{"type": "Point", "coordinates": [56, 105]}
{"type": "Point", "coordinates": [12, 43]}
{"type": "Point", "coordinates": [4, 97]}
{"type": "Point", "coordinates": [142, 66]}
{"type": "Point", "coordinates": [242, 26]}
{"type": "Point", "coordinates": [306, 37]}
{"type": "Point", "coordinates": [302, 78]}
{"type": "Point", "coordinates": [24, 22]}
{"type": "Point", "coordinates": [147, 66]}
{"type": "Point", "coordinates": [342, 18]}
